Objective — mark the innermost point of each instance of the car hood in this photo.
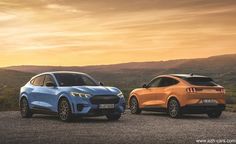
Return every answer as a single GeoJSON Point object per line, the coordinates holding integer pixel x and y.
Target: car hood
{"type": "Point", "coordinates": [97, 90]}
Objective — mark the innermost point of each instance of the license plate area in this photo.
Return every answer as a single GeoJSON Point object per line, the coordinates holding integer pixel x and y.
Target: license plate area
{"type": "Point", "coordinates": [209, 101]}
{"type": "Point", "coordinates": [106, 106]}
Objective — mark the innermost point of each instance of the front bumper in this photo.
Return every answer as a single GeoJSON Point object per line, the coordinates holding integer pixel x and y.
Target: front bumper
{"type": "Point", "coordinates": [91, 108]}
{"type": "Point", "coordinates": [202, 108]}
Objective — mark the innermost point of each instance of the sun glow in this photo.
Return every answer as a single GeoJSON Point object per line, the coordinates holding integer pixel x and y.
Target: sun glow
{"type": "Point", "coordinates": [95, 32]}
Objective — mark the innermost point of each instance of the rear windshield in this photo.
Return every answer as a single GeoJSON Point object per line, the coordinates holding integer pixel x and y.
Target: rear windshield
{"type": "Point", "coordinates": [200, 81]}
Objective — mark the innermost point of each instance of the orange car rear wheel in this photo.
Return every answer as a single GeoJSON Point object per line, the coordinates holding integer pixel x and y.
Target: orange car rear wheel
{"type": "Point", "coordinates": [174, 109]}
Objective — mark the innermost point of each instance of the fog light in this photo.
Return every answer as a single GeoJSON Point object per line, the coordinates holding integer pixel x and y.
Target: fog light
{"type": "Point", "coordinates": [80, 107]}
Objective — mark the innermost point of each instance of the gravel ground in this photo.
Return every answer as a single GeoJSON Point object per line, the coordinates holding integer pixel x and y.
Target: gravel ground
{"type": "Point", "coordinates": [146, 128]}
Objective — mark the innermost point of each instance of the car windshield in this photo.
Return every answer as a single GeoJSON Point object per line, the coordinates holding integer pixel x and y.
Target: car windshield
{"type": "Point", "coordinates": [200, 81]}
{"type": "Point", "coordinates": [74, 79]}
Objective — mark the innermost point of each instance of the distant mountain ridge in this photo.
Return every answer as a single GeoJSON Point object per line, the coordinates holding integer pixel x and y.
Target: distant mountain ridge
{"type": "Point", "coordinates": [221, 68]}
{"type": "Point", "coordinates": [125, 76]}
{"type": "Point", "coordinates": [112, 67]}
{"type": "Point", "coordinates": [214, 62]}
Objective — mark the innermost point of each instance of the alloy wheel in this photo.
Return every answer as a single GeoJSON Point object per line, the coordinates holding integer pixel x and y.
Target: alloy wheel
{"type": "Point", "coordinates": [64, 110]}
{"type": "Point", "coordinates": [173, 108]}
{"type": "Point", "coordinates": [134, 106]}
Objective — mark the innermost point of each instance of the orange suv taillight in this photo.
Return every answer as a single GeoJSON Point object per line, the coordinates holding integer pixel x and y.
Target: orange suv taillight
{"type": "Point", "coordinates": [191, 90]}
{"type": "Point", "coordinates": [222, 91]}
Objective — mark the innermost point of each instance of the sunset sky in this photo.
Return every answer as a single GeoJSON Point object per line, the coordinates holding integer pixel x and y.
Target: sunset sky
{"type": "Point", "coordinates": [92, 32]}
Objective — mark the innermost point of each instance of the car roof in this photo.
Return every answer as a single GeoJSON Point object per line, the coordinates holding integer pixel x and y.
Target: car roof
{"type": "Point", "coordinates": [186, 75]}
{"type": "Point", "coordinates": [58, 72]}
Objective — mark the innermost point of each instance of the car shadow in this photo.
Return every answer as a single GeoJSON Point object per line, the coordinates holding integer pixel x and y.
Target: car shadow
{"type": "Point", "coordinates": [93, 120]}
{"type": "Point", "coordinates": [185, 116]}
{"type": "Point", "coordinates": [100, 119]}
{"type": "Point", "coordinates": [48, 117]}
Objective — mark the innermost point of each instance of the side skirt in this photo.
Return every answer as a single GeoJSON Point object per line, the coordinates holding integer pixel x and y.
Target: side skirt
{"type": "Point", "coordinates": [154, 108]}
{"type": "Point", "coordinates": [39, 110]}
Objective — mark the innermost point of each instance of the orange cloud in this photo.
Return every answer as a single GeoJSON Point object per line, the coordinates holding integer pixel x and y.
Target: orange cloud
{"type": "Point", "coordinates": [103, 32]}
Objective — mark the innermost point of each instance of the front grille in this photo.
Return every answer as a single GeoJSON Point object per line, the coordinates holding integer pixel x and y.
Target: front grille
{"type": "Point", "coordinates": [104, 99]}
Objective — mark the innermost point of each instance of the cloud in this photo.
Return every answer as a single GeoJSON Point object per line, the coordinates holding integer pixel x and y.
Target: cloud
{"type": "Point", "coordinates": [6, 17]}
{"type": "Point", "coordinates": [58, 7]}
{"type": "Point", "coordinates": [130, 30]}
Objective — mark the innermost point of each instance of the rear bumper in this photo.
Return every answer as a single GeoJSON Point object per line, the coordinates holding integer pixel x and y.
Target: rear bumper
{"type": "Point", "coordinates": [202, 108]}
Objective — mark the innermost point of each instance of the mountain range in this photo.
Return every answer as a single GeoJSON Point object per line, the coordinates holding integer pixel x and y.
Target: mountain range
{"type": "Point", "coordinates": [222, 68]}
{"type": "Point", "coordinates": [125, 76]}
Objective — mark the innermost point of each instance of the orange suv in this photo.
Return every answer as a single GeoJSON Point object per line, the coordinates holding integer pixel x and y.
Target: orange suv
{"type": "Point", "coordinates": [178, 94]}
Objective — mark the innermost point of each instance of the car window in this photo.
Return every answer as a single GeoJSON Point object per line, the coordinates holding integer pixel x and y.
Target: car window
{"type": "Point", "coordinates": [38, 81]}
{"type": "Point", "coordinates": [32, 81]}
{"type": "Point", "coordinates": [71, 79]}
{"type": "Point", "coordinates": [200, 81]}
{"type": "Point", "coordinates": [166, 81]}
{"type": "Point", "coordinates": [49, 78]}
{"type": "Point", "coordinates": [154, 83]}
{"type": "Point", "coordinates": [87, 81]}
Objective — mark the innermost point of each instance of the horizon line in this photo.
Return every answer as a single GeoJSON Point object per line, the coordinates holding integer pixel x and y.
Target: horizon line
{"type": "Point", "coordinates": [116, 63]}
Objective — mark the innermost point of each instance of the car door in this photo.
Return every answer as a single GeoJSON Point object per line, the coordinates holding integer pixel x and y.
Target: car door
{"type": "Point", "coordinates": [36, 91]}
{"type": "Point", "coordinates": [48, 95]}
{"type": "Point", "coordinates": [150, 95]}
{"type": "Point", "coordinates": [157, 91]}
{"type": "Point", "coordinates": [164, 89]}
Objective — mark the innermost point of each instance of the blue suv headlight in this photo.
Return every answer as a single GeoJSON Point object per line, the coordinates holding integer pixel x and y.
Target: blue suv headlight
{"type": "Point", "coordinates": [120, 95]}
{"type": "Point", "coordinates": [83, 95]}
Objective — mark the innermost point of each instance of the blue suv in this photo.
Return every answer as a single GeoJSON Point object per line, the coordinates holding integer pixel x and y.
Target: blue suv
{"type": "Point", "coordinates": [70, 94]}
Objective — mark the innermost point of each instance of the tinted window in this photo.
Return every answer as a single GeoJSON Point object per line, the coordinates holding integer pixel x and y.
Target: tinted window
{"type": "Point", "coordinates": [32, 81]}
{"type": "Point", "coordinates": [71, 79]}
{"type": "Point", "coordinates": [200, 81]}
{"type": "Point", "coordinates": [38, 81]}
{"type": "Point", "coordinates": [88, 81]}
{"type": "Point", "coordinates": [166, 81]}
{"type": "Point", "coordinates": [155, 82]}
{"type": "Point", "coordinates": [48, 78]}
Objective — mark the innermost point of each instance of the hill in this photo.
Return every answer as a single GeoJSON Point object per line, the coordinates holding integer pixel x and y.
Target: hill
{"type": "Point", "coordinates": [221, 68]}
{"type": "Point", "coordinates": [10, 83]}
{"type": "Point", "coordinates": [101, 68]}
{"type": "Point", "coordinates": [126, 76]}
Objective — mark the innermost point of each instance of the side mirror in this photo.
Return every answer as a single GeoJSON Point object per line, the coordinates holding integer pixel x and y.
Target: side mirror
{"type": "Point", "coordinates": [50, 84]}
{"type": "Point", "coordinates": [101, 84]}
{"type": "Point", "coordinates": [145, 86]}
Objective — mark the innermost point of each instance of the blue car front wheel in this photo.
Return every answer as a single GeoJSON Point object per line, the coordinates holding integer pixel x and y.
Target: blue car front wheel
{"type": "Point", "coordinates": [64, 110]}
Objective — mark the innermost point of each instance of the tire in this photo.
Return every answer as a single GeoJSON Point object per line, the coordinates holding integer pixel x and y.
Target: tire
{"type": "Point", "coordinates": [113, 116]}
{"type": "Point", "coordinates": [214, 114]}
{"type": "Point", "coordinates": [64, 110]}
{"type": "Point", "coordinates": [134, 106]}
{"type": "Point", "coordinates": [24, 109]}
{"type": "Point", "coordinates": [174, 109]}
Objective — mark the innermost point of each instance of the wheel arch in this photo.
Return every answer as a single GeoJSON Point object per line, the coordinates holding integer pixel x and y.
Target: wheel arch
{"type": "Point", "coordinates": [132, 96]}
{"type": "Point", "coordinates": [23, 95]}
{"type": "Point", "coordinates": [64, 96]}
{"type": "Point", "coordinates": [172, 97]}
